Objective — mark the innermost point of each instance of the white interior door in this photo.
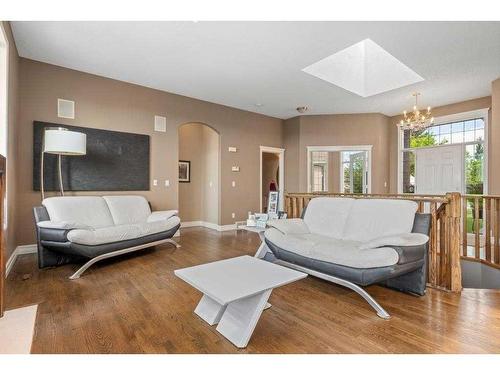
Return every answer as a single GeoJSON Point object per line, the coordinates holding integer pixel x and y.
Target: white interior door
{"type": "Point", "coordinates": [439, 170]}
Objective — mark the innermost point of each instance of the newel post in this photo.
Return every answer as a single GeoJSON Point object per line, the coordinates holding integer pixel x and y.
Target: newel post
{"type": "Point", "coordinates": [453, 222]}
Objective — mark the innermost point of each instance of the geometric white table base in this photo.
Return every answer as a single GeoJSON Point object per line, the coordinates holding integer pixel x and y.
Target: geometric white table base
{"type": "Point", "coordinates": [209, 310]}
{"type": "Point", "coordinates": [240, 318]}
{"type": "Point", "coordinates": [235, 292]}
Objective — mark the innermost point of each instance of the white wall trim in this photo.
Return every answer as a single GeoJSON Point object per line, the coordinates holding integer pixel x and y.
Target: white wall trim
{"type": "Point", "coordinates": [205, 224]}
{"type": "Point", "coordinates": [367, 148]}
{"type": "Point", "coordinates": [20, 250]}
{"type": "Point", "coordinates": [281, 186]}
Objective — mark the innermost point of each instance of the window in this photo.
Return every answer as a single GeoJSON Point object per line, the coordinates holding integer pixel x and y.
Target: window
{"type": "Point", "coordinates": [319, 171]}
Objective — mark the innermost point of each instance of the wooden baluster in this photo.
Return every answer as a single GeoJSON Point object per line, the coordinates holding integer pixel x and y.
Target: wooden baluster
{"type": "Point", "coordinates": [453, 238]}
{"type": "Point", "coordinates": [421, 207]}
{"type": "Point", "coordinates": [300, 206]}
{"type": "Point", "coordinates": [433, 245]}
{"type": "Point", "coordinates": [464, 227]}
{"type": "Point", "coordinates": [477, 243]}
{"type": "Point", "coordinates": [442, 251]}
{"type": "Point", "coordinates": [287, 205]}
{"type": "Point", "coordinates": [496, 231]}
{"type": "Point", "coordinates": [487, 226]}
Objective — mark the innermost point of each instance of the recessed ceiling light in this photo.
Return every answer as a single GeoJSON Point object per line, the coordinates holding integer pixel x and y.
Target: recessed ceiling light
{"type": "Point", "coordinates": [365, 69]}
{"type": "Point", "coordinates": [302, 109]}
{"type": "Point", "coordinates": [259, 104]}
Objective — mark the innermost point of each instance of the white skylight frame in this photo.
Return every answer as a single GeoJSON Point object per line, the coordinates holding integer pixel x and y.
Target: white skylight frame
{"type": "Point", "coordinates": [365, 69]}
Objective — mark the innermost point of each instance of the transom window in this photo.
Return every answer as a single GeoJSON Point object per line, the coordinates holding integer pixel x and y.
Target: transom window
{"type": "Point", "coordinates": [450, 133]}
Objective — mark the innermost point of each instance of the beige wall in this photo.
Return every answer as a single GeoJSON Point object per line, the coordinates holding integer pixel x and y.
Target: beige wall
{"type": "Point", "coordinates": [199, 199]}
{"type": "Point", "coordinates": [291, 138]}
{"type": "Point", "coordinates": [109, 104]}
{"type": "Point", "coordinates": [211, 162]}
{"type": "Point", "coordinates": [270, 167]}
{"type": "Point", "coordinates": [12, 165]}
{"type": "Point", "coordinates": [336, 130]}
{"type": "Point", "coordinates": [466, 106]}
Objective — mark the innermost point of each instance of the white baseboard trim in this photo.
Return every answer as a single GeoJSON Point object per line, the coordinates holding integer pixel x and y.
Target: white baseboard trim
{"type": "Point", "coordinates": [206, 224]}
{"type": "Point", "coordinates": [20, 250]}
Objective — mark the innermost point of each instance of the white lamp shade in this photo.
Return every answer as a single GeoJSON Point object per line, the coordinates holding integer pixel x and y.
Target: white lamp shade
{"type": "Point", "coordinates": [65, 142]}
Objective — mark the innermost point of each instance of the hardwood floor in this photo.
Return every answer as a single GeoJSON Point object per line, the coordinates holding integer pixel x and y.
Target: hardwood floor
{"type": "Point", "coordinates": [135, 304]}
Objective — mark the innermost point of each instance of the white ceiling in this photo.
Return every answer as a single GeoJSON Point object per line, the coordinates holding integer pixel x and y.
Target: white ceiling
{"type": "Point", "coordinates": [241, 64]}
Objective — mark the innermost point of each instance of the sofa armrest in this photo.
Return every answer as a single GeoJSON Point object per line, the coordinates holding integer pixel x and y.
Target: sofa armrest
{"type": "Point", "coordinates": [409, 254]}
{"type": "Point", "coordinates": [65, 225]}
{"type": "Point", "coordinates": [403, 240]}
{"type": "Point", "coordinates": [289, 226]}
{"type": "Point", "coordinates": [161, 215]}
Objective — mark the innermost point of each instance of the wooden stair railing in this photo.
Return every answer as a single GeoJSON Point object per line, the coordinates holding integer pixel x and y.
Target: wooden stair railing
{"type": "Point", "coordinates": [444, 271]}
{"type": "Point", "coordinates": [480, 240]}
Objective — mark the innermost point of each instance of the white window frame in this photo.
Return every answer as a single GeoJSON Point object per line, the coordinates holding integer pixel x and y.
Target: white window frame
{"type": "Point", "coordinates": [367, 148]}
{"type": "Point", "coordinates": [456, 117]}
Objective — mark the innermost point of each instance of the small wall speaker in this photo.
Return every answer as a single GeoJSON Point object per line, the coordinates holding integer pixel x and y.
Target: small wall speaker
{"type": "Point", "coordinates": [160, 124]}
{"type": "Point", "coordinates": [65, 108]}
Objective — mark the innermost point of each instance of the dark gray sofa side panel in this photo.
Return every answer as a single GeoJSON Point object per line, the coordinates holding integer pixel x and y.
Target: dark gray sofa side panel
{"type": "Point", "coordinates": [416, 281]}
{"type": "Point", "coordinates": [47, 257]}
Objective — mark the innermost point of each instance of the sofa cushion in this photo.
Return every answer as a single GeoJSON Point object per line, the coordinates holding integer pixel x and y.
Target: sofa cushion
{"type": "Point", "coordinates": [292, 226]}
{"type": "Point", "coordinates": [86, 210]}
{"type": "Point", "coordinates": [336, 251]}
{"type": "Point", "coordinates": [372, 218]}
{"type": "Point", "coordinates": [327, 216]}
{"type": "Point", "coordinates": [128, 209]}
{"type": "Point", "coordinates": [122, 232]}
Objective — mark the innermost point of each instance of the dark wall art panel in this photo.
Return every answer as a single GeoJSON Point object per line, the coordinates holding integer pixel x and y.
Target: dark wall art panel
{"type": "Point", "coordinates": [115, 161]}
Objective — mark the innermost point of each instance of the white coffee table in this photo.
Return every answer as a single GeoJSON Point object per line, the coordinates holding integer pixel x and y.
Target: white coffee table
{"type": "Point", "coordinates": [235, 292]}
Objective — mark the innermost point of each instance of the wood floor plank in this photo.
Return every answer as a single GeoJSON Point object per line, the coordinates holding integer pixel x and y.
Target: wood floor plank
{"type": "Point", "coordinates": [135, 304]}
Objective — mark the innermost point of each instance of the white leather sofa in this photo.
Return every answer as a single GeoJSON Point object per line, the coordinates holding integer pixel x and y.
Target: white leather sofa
{"type": "Point", "coordinates": [92, 228]}
{"type": "Point", "coordinates": [356, 242]}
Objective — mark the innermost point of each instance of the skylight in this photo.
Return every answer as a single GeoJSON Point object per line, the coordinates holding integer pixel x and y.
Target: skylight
{"type": "Point", "coordinates": [365, 69]}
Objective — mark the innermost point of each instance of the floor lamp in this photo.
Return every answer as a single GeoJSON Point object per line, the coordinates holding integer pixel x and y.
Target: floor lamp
{"type": "Point", "coordinates": [61, 141]}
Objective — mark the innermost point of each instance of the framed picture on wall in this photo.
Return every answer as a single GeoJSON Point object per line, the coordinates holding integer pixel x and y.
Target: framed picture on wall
{"type": "Point", "coordinates": [184, 171]}
{"type": "Point", "coordinates": [272, 204]}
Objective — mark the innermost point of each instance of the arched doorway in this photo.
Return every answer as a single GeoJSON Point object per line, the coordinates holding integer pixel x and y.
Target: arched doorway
{"type": "Point", "coordinates": [199, 174]}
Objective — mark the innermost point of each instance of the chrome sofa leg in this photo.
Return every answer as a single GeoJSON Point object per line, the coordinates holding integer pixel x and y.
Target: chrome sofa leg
{"type": "Point", "coordinates": [173, 243]}
{"type": "Point", "coordinates": [83, 268]}
{"type": "Point", "coordinates": [368, 298]}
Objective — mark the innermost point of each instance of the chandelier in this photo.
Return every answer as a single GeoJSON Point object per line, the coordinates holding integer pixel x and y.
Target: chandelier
{"type": "Point", "coordinates": [416, 120]}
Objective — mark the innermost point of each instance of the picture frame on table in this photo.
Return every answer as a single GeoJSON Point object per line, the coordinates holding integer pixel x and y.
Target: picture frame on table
{"type": "Point", "coordinates": [272, 204]}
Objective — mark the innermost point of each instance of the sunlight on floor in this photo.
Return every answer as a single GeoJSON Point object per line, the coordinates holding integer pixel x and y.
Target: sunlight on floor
{"type": "Point", "coordinates": [16, 330]}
